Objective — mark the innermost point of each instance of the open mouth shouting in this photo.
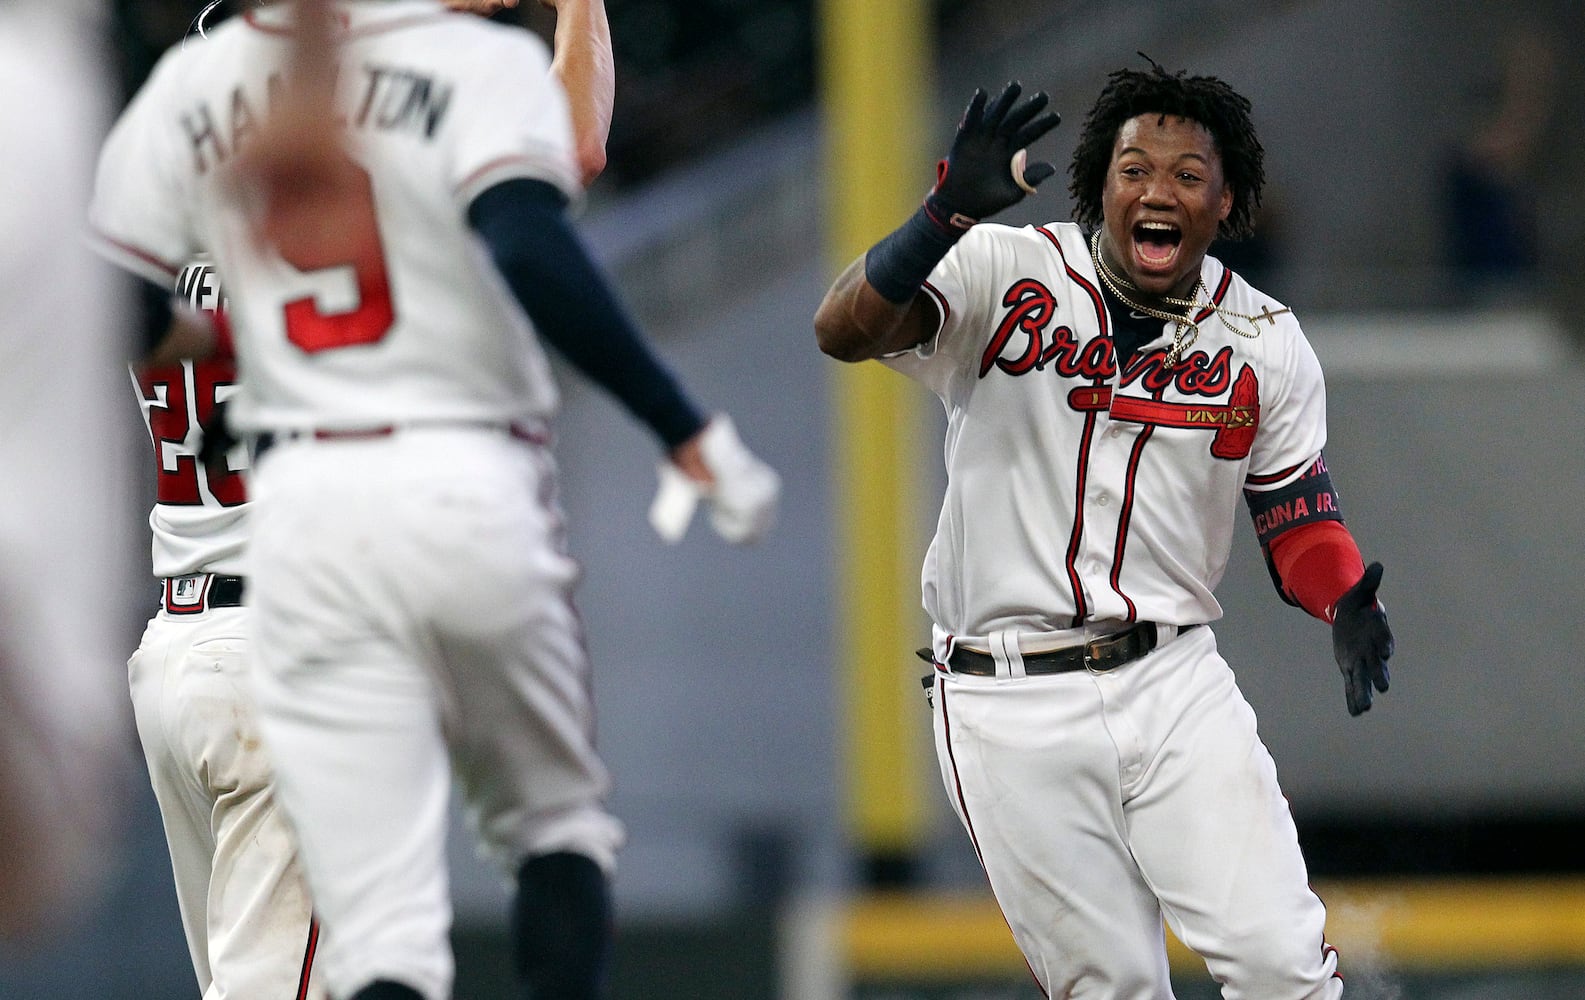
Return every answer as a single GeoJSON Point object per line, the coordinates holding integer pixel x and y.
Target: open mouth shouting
{"type": "Point", "coordinates": [1155, 246]}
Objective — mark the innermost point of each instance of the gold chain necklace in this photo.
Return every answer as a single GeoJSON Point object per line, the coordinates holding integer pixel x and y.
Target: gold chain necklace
{"type": "Point", "coordinates": [1183, 324]}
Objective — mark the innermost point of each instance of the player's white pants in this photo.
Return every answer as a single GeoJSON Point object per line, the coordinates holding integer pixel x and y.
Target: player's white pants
{"type": "Point", "coordinates": [414, 619]}
{"type": "Point", "coordinates": [243, 900]}
{"type": "Point", "coordinates": [1099, 803]}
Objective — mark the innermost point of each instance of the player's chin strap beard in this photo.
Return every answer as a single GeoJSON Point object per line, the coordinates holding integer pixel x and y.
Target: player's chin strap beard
{"type": "Point", "coordinates": [1185, 330]}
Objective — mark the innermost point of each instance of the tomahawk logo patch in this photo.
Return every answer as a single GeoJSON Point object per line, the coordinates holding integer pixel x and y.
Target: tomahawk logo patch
{"type": "Point", "coordinates": [1234, 422]}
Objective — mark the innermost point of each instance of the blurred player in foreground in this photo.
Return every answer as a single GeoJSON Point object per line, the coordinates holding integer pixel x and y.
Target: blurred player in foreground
{"type": "Point", "coordinates": [245, 907]}
{"type": "Point", "coordinates": [1112, 392]}
{"type": "Point", "coordinates": [67, 570]}
{"type": "Point", "coordinates": [410, 584]}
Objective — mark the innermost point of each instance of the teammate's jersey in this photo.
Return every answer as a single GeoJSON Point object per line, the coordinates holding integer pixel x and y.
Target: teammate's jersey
{"type": "Point", "coordinates": [1076, 491]}
{"type": "Point", "coordinates": [199, 519]}
{"type": "Point", "coordinates": [435, 117]}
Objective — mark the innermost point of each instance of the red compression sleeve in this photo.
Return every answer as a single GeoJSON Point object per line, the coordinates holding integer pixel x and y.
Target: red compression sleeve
{"type": "Point", "coordinates": [1317, 562]}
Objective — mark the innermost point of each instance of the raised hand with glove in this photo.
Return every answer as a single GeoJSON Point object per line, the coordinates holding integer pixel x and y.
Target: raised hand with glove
{"type": "Point", "coordinates": [875, 308]}
{"type": "Point", "coordinates": [986, 171]}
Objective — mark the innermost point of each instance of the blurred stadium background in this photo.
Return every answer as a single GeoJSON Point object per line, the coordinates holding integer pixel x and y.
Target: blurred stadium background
{"type": "Point", "coordinates": [788, 838]}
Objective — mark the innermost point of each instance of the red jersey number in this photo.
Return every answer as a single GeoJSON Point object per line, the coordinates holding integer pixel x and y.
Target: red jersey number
{"type": "Point", "coordinates": [171, 416]}
{"type": "Point", "coordinates": [313, 330]}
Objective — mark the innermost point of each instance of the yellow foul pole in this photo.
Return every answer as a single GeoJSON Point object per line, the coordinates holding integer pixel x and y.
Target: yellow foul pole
{"type": "Point", "coordinates": [876, 84]}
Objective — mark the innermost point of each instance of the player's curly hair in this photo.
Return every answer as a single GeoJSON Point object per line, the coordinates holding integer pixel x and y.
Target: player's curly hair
{"type": "Point", "coordinates": [1205, 99]}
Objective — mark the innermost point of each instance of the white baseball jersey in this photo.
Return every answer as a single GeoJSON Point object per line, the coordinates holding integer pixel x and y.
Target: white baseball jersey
{"type": "Point", "coordinates": [1082, 492]}
{"type": "Point", "coordinates": [440, 107]}
{"type": "Point", "coordinates": [199, 518]}
{"type": "Point", "coordinates": [1122, 494]}
{"type": "Point", "coordinates": [410, 593]}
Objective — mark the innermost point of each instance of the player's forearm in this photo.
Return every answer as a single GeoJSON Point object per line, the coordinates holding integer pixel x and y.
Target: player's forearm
{"type": "Point", "coordinates": [586, 67]}
{"type": "Point", "coordinates": [584, 64]}
{"type": "Point", "coordinates": [855, 323]}
{"type": "Point", "coordinates": [1317, 563]}
{"type": "Point", "coordinates": [574, 308]}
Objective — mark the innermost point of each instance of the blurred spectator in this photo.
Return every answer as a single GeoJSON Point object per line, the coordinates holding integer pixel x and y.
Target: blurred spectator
{"type": "Point", "coordinates": [690, 76]}
{"type": "Point", "coordinates": [146, 28]}
{"type": "Point", "coordinates": [1489, 204]}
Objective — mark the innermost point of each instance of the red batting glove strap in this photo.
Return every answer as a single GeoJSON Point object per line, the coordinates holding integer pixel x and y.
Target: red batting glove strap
{"type": "Point", "coordinates": [1317, 563]}
{"type": "Point", "coordinates": [953, 224]}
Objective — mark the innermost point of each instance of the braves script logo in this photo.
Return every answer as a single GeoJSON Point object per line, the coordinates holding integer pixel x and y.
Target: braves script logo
{"type": "Point", "coordinates": [1030, 309]}
{"type": "Point", "coordinates": [1021, 344]}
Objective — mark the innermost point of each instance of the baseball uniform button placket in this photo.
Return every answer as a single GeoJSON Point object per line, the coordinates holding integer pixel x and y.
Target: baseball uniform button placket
{"type": "Point", "coordinates": [1124, 718]}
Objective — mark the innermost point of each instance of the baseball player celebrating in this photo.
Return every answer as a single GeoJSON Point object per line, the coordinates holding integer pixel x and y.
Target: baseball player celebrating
{"type": "Point", "coordinates": [410, 588]}
{"type": "Point", "coordinates": [244, 904]}
{"type": "Point", "coordinates": [1111, 391]}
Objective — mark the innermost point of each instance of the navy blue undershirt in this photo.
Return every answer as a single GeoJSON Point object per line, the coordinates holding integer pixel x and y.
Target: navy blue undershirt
{"type": "Point", "coordinates": [154, 312]}
{"type": "Point", "coordinates": [1129, 332]}
{"type": "Point", "coordinates": [524, 224]}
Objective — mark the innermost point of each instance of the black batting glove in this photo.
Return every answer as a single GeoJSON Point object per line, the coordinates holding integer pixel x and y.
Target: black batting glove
{"type": "Point", "coordinates": [977, 178]}
{"type": "Point", "coordinates": [1361, 640]}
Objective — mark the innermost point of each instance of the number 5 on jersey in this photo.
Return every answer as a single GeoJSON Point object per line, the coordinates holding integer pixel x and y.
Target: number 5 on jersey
{"type": "Point", "coordinates": [314, 330]}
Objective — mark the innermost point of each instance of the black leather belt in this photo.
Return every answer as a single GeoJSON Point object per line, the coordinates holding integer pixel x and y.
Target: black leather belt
{"type": "Point", "coordinates": [226, 591]}
{"type": "Point", "coordinates": [1107, 652]}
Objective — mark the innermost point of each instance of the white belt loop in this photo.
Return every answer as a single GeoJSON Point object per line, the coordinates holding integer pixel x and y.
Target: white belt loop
{"type": "Point", "coordinates": [1165, 634]}
{"type": "Point", "coordinates": [1004, 650]}
{"type": "Point", "coordinates": [942, 643]}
